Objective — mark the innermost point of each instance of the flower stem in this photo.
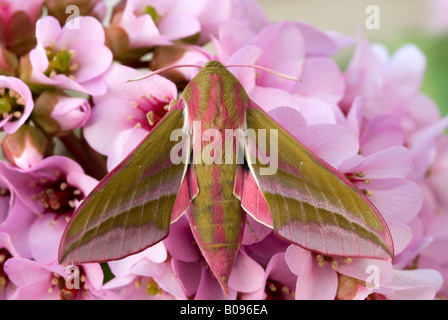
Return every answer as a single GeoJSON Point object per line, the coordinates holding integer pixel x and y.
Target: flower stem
{"type": "Point", "coordinates": [92, 162]}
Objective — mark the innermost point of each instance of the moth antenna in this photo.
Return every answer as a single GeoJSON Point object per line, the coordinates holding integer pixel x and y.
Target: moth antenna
{"type": "Point", "coordinates": [164, 69]}
{"type": "Point", "coordinates": [265, 69]}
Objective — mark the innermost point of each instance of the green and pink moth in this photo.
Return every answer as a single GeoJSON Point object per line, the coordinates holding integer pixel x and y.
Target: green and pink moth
{"type": "Point", "coordinates": [306, 201]}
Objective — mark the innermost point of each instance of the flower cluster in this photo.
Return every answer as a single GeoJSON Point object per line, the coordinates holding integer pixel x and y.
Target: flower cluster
{"type": "Point", "coordinates": [69, 117]}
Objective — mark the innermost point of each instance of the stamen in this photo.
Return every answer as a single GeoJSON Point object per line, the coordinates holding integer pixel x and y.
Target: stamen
{"type": "Point", "coordinates": [150, 117]}
{"type": "Point", "coordinates": [13, 94]}
{"type": "Point", "coordinates": [17, 114]}
{"type": "Point", "coordinates": [73, 67]}
{"type": "Point", "coordinates": [334, 264]}
{"type": "Point", "coordinates": [20, 101]}
{"type": "Point", "coordinates": [71, 203]}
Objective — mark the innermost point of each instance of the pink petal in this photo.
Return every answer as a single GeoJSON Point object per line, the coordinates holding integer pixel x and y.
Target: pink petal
{"type": "Point", "coordinates": [321, 78]}
{"type": "Point", "coordinates": [332, 143]}
{"type": "Point", "coordinates": [246, 55]}
{"type": "Point", "coordinates": [123, 145]}
{"type": "Point", "coordinates": [364, 269]}
{"type": "Point", "coordinates": [24, 272]}
{"type": "Point", "coordinates": [271, 98]}
{"type": "Point", "coordinates": [232, 36]}
{"type": "Point", "coordinates": [47, 30]}
{"type": "Point", "coordinates": [382, 132]}
{"type": "Point", "coordinates": [289, 118]}
{"type": "Point", "coordinates": [321, 283]}
{"type": "Point", "coordinates": [419, 284]}
{"type": "Point", "coordinates": [179, 241]}
{"type": "Point", "coordinates": [315, 110]}
{"type": "Point", "coordinates": [406, 71]}
{"type": "Point", "coordinates": [90, 65]}
{"type": "Point", "coordinates": [396, 199]}
{"type": "Point", "coordinates": [154, 255]}
{"type": "Point", "coordinates": [317, 42]}
{"type": "Point", "coordinates": [175, 27]}
{"type": "Point", "coordinates": [284, 51]}
{"type": "Point", "coordinates": [90, 30]}
{"type": "Point", "coordinates": [401, 235]}
{"type": "Point", "coordinates": [44, 237]}
{"type": "Point", "coordinates": [94, 274]}
{"type": "Point", "coordinates": [247, 275]}
{"type": "Point", "coordinates": [254, 231]}
{"type": "Point", "coordinates": [278, 270]}
{"type": "Point", "coordinates": [189, 274]}
{"type": "Point", "coordinates": [354, 116]}
{"type": "Point", "coordinates": [23, 90]}
{"type": "Point", "coordinates": [394, 162]}
{"type": "Point", "coordinates": [299, 260]}
{"type": "Point", "coordinates": [209, 288]}
{"type": "Point", "coordinates": [107, 121]}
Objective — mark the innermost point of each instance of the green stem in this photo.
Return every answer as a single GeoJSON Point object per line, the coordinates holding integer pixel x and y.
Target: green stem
{"type": "Point", "coordinates": [93, 163]}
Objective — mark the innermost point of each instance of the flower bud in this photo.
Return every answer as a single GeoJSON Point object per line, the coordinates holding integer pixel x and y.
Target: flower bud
{"type": "Point", "coordinates": [57, 113]}
{"type": "Point", "coordinates": [25, 147]}
{"type": "Point", "coordinates": [8, 62]}
{"type": "Point", "coordinates": [18, 24]}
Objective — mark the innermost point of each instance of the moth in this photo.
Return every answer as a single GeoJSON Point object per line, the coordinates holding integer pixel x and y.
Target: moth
{"type": "Point", "coordinates": [305, 200]}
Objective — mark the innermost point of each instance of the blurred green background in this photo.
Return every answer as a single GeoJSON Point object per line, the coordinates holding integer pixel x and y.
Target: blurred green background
{"type": "Point", "coordinates": [401, 22]}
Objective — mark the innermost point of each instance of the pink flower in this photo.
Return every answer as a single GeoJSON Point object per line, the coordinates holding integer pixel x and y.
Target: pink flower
{"type": "Point", "coordinates": [145, 24]}
{"type": "Point", "coordinates": [51, 189]}
{"type": "Point", "coordinates": [54, 282]}
{"type": "Point", "coordinates": [390, 84]}
{"type": "Point", "coordinates": [58, 113]}
{"type": "Point", "coordinates": [149, 268]}
{"type": "Point", "coordinates": [63, 56]}
{"type": "Point", "coordinates": [16, 103]}
{"type": "Point", "coordinates": [122, 117]}
{"type": "Point", "coordinates": [18, 20]}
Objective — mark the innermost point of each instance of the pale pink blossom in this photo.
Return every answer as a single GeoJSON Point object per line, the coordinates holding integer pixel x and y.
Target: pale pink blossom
{"type": "Point", "coordinates": [51, 189]}
{"type": "Point", "coordinates": [119, 120]}
{"type": "Point", "coordinates": [57, 113]}
{"type": "Point", "coordinates": [63, 56]}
